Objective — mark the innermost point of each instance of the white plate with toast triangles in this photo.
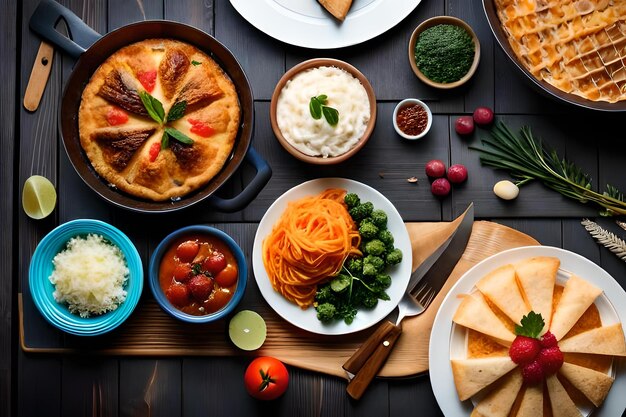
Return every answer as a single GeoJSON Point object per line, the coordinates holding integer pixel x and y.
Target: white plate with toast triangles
{"type": "Point", "coordinates": [449, 340]}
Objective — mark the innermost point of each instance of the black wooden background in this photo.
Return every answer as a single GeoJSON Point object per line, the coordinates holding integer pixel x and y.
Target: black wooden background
{"type": "Point", "coordinates": [49, 385]}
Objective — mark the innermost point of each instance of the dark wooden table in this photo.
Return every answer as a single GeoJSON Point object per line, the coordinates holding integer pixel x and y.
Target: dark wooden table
{"type": "Point", "coordinates": [51, 385]}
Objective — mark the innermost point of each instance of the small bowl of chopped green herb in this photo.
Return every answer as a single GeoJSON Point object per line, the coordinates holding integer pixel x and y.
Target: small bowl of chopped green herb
{"type": "Point", "coordinates": [444, 52]}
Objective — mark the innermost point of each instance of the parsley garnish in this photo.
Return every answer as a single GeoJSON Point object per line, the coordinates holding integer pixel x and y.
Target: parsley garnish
{"type": "Point", "coordinates": [195, 63]}
{"type": "Point", "coordinates": [532, 324]}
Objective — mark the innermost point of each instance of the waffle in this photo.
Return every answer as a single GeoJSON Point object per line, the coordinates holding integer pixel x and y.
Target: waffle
{"type": "Point", "coordinates": [578, 46]}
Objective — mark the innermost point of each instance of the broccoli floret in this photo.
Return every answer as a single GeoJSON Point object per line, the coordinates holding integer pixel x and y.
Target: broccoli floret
{"type": "Point", "coordinates": [351, 200]}
{"type": "Point", "coordinates": [383, 281]}
{"type": "Point", "coordinates": [368, 230]}
{"type": "Point", "coordinates": [355, 266]}
{"type": "Point", "coordinates": [375, 247]}
{"type": "Point", "coordinates": [326, 312]}
{"type": "Point", "coordinates": [386, 237]}
{"type": "Point", "coordinates": [340, 282]}
{"type": "Point", "coordinates": [369, 270]}
{"type": "Point", "coordinates": [369, 300]}
{"type": "Point", "coordinates": [361, 211]}
{"type": "Point", "coordinates": [376, 261]}
{"type": "Point", "coordinates": [324, 294]}
{"type": "Point", "coordinates": [379, 218]}
{"type": "Point", "coordinates": [394, 257]}
{"type": "Point", "coordinates": [347, 312]}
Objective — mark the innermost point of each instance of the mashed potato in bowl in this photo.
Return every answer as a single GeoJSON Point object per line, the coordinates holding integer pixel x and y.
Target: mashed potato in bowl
{"type": "Point", "coordinates": [317, 137]}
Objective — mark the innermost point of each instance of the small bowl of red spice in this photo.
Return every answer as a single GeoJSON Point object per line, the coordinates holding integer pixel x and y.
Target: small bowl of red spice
{"type": "Point", "coordinates": [412, 119]}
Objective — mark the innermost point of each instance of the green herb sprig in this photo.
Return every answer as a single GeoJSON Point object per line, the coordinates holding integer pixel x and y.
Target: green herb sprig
{"type": "Point", "coordinates": [524, 157]}
{"type": "Point", "coordinates": [155, 109]}
{"type": "Point", "coordinates": [318, 107]}
{"type": "Point", "coordinates": [153, 106]}
{"type": "Point", "coordinates": [531, 325]}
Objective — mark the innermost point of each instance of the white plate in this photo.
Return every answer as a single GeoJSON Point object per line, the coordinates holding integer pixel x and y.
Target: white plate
{"type": "Point", "coordinates": [306, 23]}
{"type": "Point", "coordinates": [306, 319]}
{"type": "Point", "coordinates": [445, 342]}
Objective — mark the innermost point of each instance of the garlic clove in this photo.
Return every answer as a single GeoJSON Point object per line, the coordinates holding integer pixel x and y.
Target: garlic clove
{"type": "Point", "coordinates": [506, 190]}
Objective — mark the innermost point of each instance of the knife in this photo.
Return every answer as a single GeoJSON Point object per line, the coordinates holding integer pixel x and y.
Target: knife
{"type": "Point", "coordinates": [424, 284]}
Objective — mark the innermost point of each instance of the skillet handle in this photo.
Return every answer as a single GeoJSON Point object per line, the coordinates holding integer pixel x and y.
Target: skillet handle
{"type": "Point", "coordinates": [47, 15]}
{"type": "Point", "coordinates": [263, 175]}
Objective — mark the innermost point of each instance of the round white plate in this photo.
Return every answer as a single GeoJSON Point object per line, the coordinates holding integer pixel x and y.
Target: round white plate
{"type": "Point", "coordinates": [306, 319]}
{"type": "Point", "coordinates": [446, 341]}
{"type": "Point", "coordinates": [306, 23]}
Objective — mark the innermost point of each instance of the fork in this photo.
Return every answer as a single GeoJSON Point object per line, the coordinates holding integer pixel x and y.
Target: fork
{"type": "Point", "coordinates": [424, 285]}
{"type": "Point", "coordinates": [379, 345]}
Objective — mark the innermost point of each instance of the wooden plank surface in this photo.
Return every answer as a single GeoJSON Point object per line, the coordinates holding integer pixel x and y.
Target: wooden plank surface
{"type": "Point", "coordinates": [8, 188]}
{"type": "Point", "coordinates": [42, 385]}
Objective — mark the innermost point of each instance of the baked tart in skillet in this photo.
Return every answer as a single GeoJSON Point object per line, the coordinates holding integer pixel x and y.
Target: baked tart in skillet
{"type": "Point", "coordinates": [158, 119]}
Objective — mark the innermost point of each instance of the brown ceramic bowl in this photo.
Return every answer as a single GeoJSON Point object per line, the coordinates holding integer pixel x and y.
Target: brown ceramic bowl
{"type": "Point", "coordinates": [445, 20]}
{"type": "Point", "coordinates": [314, 63]}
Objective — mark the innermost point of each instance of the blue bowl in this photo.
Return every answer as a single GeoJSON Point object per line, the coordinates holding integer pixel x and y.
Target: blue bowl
{"type": "Point", "coordinates": [159, 295]}
{"type": "Point", "coordinates": [41, 288]}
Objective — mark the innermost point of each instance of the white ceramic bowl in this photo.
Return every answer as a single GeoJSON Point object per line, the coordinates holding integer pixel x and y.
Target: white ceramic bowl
{"type": "Point", "coordinates": [409, 102]}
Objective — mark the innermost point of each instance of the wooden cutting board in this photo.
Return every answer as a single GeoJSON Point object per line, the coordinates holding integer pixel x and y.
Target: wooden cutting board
{"type": "Point", "coordinates": [150, 332]}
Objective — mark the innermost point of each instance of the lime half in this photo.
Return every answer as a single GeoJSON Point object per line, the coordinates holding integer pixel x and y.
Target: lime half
{"type": "Point", "coordinates": [38, 197]}
{"type": "Point", "coordinates": [247, 330]}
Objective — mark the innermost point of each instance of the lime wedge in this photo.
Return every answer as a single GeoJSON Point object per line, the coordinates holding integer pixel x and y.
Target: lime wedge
{"type": "Point", "coordinates": [247, 330]}
{"type": "Point", "coordinates": [38, 197]}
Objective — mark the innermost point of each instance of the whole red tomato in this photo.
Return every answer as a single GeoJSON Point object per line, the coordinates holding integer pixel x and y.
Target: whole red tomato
{"type": "Point", "coordinates": [266, 378]}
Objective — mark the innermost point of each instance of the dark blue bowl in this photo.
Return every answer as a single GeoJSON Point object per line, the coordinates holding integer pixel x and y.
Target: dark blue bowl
{"type": "Point", "coordinates": [159, 295]}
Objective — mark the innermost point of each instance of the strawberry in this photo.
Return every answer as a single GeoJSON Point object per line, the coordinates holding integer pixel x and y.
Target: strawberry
{"type": "Point", "coordinates": [548, 340]}
{"type": "Point", "coordinates": [526, 345]}
{"type": "Point", "coordinates": [524, 349]}
{"type": "Point", "coordinates": [550, 359]}
{"type": "Point", "coordinates": [532, 372]}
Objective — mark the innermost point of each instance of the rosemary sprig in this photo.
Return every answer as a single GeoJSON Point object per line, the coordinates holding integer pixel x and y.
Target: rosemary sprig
{"type": "Point", "coordinates": [526, 159]}
{"type": "Point", "coordinates": [606, 238]}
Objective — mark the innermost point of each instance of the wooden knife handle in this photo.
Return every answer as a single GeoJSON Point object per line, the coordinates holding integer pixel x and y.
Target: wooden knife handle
{"type": "Point", "coordinates": [374, 362]}
{"type": "Point", "coordinates": [38, 76]}
{"type": "Point", "coordinates": [358, 359]}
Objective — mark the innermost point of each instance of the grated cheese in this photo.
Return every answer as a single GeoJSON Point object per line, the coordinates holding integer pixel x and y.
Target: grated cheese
{"type": "Point", "coordinates": [89, 275]}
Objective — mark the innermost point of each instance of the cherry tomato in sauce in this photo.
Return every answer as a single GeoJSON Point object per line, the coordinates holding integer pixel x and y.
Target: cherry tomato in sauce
{"type": "Point", "coordinates": [214, 263]}
{"type": "Point", "coordinates": [200, 287]}
{"type": "Point", "coordinates": [116, 116]}
{"type": "Point", "coordinates": [187, 250]}
{"type": "Point", "coordinates": [182, 272]}
{"type": "Point", "coordinates": [147, 79]}
{"type": "Point", "coordinates": [178, 294]}
{"type": "Point", "coordinates": [227, 276]}
{"type": "Point", "coordinates": [155, 148]}
{"type": "Point", "coordinates": [218, 299]}
{"type": "Point", "coordinates": [186, 281]}
{"type": "Point", "coordinates": [201, 128]}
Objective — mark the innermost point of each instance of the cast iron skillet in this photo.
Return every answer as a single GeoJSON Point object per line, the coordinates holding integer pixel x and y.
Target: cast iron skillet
{"type": "Point", "coordinates": [500, 35]}
{"type": "Point", "coordinates": [91, 49]}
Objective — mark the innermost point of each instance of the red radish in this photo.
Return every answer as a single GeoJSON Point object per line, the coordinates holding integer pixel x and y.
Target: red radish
{"type": "Point", "coordinates": [435, 168]}
{"type": "Point", "coordinates": [440, 187]}
{"type": "Point", "coordinates": [457, 173]}
{"type": "Point", "coordinates": [483, 116]}
{"type": "Point", "coordinates": [464, 125]}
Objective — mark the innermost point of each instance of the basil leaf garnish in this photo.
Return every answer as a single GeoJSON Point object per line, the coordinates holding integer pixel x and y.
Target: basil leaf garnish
{"type": "Point", "coordinates": [177, 111]}
{"type": "Point", "coordinates": [179, 136]}
{"type": "Point", "coordinates": [165, 141]}
{"type": "Point", "coordinates": [153, 106]}
{"type": "Point", "coordinates": [331, 115]}
{"type": "Point", "coordinates": [315, 107]}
